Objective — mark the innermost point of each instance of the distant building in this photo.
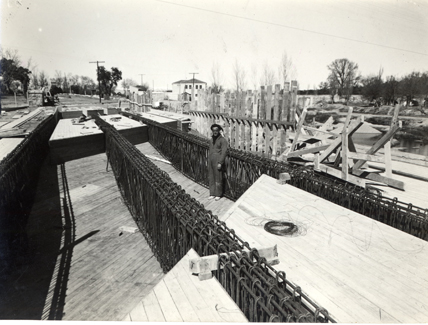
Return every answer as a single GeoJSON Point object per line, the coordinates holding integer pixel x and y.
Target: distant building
{"type": "Point", "coordinates": [183, 88]}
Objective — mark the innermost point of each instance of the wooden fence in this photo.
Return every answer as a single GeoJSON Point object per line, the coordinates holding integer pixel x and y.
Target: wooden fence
{"type": "Point", "coordinates": [256, 121]}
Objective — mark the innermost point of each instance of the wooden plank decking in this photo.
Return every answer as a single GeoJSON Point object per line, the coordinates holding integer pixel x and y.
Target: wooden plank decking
{"type": "Point", "coordinates": [181, 297]}
{"type": "Point", "coordinates": [7, 145]}
{"type": "Point", "coordinates": [360, 270]}
{"type": "Point", "coordinates": [80, 264]}
{"type": "Point", "coordinates": [415, 190]}
{"type": "Point", "coordinates": [195, 190]}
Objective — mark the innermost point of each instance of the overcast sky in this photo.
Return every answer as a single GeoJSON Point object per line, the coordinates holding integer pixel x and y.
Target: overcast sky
{"type": "Point", "coordinates": [167, 40]}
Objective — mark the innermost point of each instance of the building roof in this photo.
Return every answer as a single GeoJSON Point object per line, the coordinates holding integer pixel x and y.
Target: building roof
{"type": "Point", "coordinates": [189, 81]}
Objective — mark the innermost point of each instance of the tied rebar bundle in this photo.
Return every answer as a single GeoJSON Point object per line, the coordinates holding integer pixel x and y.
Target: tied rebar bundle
{"type": "Point", "coordinates": [173, 222]}
{"type": "Point", "coordinates": [19, 172]}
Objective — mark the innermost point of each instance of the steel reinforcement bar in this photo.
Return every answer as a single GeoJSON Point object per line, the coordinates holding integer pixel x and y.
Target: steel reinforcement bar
{"type": "Point", "coordinates": [173, 222]}
{"type": "Point", "coordinates": [19, 172]}
{"type": "Point", "coordinates": [189, 154]}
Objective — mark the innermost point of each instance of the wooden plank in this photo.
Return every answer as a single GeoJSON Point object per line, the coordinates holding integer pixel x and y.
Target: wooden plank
{"type": "Point", "coordinates": [184, 305]}
{"type": "Point", "coordinates": [274, 141]}
{"type": "Point", "coordinates": [298, 130]}
{"type": "Point", "coordinates": [381, 142]}
{"type": "Point", "coordinates": [285, 113]}
{"type": "Point", "coordinates": [337, 173]}
{"type": "Point", "coordinates": [330, 134]}
{"type": "Point", "coordinates": [277, 108]}
{"type": "Point", "coordinates": [387, 157]}
{"type": "Point", "coordinates": [262, 109]}
{"type": "Point", "coordinates": [166, 303]}
{"type": "Point", "coordinates": [192, 293]}
{"type": "Point", "coordinates": [353, 126]}
{"type": "Point", "coordinates": [267, 141]}
{"type": "Point", "coordinates": [153, 309]}
{"type": "Point", "coordinates": [269, 102]}
{"type": "Point", "coordinates": [298, 153]}
{"type": "Point", "coordinates": [242, 137]}
{"type": "Point", "coordinates": [366, 157]}
{"type": "Point", "coordinates": [394, 119]}
{"type": "Point", "coordinates": [345, 145]}
{"type": "Point", "coordinates": [379, 178]}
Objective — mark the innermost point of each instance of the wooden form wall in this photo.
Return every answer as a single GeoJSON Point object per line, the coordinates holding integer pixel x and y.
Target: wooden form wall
{"type": "Point", "coordinates": [269, 102]}
{"type": "Point", "coordinates": [136, 102]}
{"type": "Point", "coordinates": [265, 137]}
{"type": "Point", "coordinates": [256, 121]}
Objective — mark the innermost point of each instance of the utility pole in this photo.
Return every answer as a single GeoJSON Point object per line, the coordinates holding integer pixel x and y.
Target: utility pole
{"type": "Point", "coordinates": [193, 87]}
{"type": "Point", "coordinates": [141, 78]}
{"type": "Point", "coordinates": [98, 77]}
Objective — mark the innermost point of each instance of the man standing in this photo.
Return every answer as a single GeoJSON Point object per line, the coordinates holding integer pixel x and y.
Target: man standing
{"type": "Point", "coordinates": [216, 157]}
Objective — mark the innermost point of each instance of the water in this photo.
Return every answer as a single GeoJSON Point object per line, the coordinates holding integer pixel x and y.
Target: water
{"type": "Point", "coordinates": [412, 146]}
{"type": "Point", "coordinates": [404, 145]}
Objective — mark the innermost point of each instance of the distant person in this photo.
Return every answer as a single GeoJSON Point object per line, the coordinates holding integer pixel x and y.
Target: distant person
{"type": "Point", "coordinates": [216, 157]}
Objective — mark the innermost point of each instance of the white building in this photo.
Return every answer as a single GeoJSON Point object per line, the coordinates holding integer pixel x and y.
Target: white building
{"type": "Point", "coordinates": [183, 88]}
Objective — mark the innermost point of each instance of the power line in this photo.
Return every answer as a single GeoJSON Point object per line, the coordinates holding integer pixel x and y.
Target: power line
{"type": "Point", "coordinates": [290, 27]}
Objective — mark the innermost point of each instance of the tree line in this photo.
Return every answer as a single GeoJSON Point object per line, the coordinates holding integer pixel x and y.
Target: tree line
{"type": "Point", "coordinates": [17, 76]}
{"type": "Point", "coordinates": [345, 80]}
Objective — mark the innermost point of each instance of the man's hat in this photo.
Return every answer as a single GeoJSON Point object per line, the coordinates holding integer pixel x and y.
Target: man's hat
{"type": "Point", "coordinates": [216, 126]}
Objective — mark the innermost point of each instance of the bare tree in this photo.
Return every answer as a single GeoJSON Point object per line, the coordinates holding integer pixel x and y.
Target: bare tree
{"type": "Point", "coordinates": [255, 76]}
{"type": "Point", "coordinates": [239, 76]}
{"type": "Point", "coordinates": [11, 55]}
{"type": "Point", "coordinates": [74, 79]}
{"type": "Point", "coordinates": [268, 75]}
{"type": "Point", "coordinates": [343, 77]}
{"type": "Point", "coordinates": [126, 83]}
{"type": "Point", "coordinates": [58, 78]}
{"type": "Point", "coordinates": [216, 78]}
{"type": "Point", "coordinates": [34, 80]}
{"type": "Point", "coordinates": [43, 79]}
{"type": "Point", "coordinates": [87, 83]}
{"type": "Point", "coordinates": [65, 84]}
{"type": "Point", "coordinates": [286, 68]}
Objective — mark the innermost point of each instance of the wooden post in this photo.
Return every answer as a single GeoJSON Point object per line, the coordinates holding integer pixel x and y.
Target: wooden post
{"type": "Point", "coordinates": [255, 105]}
{"type": "Point", "coordinates": [237, 133]}
{"type": "Point", "coordinates": [282, 139]}
{"type": "Point", "coordinates": [294, 88]}
{"type": "Point", "coordinates": [274, 140]}
{"type": "Point", "coordinates": [286, 102]}
{"type": "Point", "coordinates": [268, 106]}
{"type": "Point", "coordinates": [248, 136]}
{"type": "Point", "coordinates": [262, 112]}
{"type": "Point", "coordinates": [242, 137]}
{"type": "Point", "coordinates": [232, 133]}
{"type": "Point", "coordinates": [299, 129]}
{"type": "Point", "coordinates": [253, 127]}
{"type": "Point", "coordinates": [338, 141]}
{"type": "Point", "coordinates": [345, 145]}
{"type": "Point", "coordinates": [267, 139]}
{"type": "Point", "coordinates": [381, 142]}
{"type": "Point", "coordinates": [260, 142]}
{"type": "Point", "coordinates": [276, 108]}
